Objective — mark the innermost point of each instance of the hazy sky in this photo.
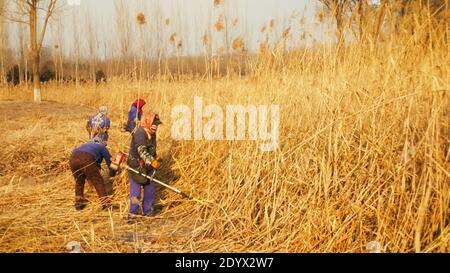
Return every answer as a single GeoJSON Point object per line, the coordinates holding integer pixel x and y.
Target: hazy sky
{"type": "Point", "coordinates": [188, 18]}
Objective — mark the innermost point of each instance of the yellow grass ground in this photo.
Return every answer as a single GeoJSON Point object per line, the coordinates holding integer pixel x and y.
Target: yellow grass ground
{"type": "Point", "coordinates": [364, 156]}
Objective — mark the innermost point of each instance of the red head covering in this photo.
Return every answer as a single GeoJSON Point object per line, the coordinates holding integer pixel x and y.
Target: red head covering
{"type": "Point", "coordinates": [151, 121]}
{"type": "Point", "coordinates": [139, 103]}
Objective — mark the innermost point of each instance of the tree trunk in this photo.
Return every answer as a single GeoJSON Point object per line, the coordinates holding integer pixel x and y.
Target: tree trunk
{"type": "Point", "coordinates": [77, 82]}
{"type": "Point", "coordinates": [35, 53]}
{"type": "Point", "coordinates": [2, 67]}
{"type": "Point", "coordinates": [20, 72]}
{"type": "Point", "coordinates": [92, 70]}
{"type": "Point", "coordinates": [26, 71]}
{"type": "Point", "coordinates": [61, 62]}
{"type": "Point", "coordinates": [55, 65]}
{"type": "Point", "coordinates": [2, 38]}
{"type": "Point", "coordinates": [36, 79]}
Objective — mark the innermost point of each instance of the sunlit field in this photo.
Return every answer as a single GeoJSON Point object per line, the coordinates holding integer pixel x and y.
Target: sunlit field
{"type": "Point", "coordinates": [363, 154]}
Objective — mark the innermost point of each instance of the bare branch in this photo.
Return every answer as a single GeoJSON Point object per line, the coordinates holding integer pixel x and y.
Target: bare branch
{"type": "Point", "coordinates": [15, 20]}
{"type": "Point", "coordinates": [51, 7]}
{"type": "Point", "coordinates": [17, 13]}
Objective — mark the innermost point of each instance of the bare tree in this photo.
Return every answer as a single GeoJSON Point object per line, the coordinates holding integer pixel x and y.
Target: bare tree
{"type": "Point", "coordinates": [58, 44]}
{"type": "Point", "coordinates": [31, 10]}
{"type": "Point", "coordinates": [2, 39]}
{"type": "Point", "coordinates": [22, 53]}
{"type": "Point", "coordinates": [158, 40]}
{"type": "Point", "coordinates": [76, 49]}
{"type": "Point", "coordinates": [141, 22]}
{"type": "Point", "coordinates": [92, 44]}
{"type": "Point", "coordinates": [54, 48]}
{"type": "Point", "coordinates": [123, 26]}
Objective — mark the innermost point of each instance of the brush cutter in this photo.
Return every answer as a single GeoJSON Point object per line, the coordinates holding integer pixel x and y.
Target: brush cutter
{"type": "Point", "coordinates": [119, 161]}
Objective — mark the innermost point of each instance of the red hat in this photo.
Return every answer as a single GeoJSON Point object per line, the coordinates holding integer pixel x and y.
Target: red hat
{"type": "Point", "coordinates": [139, 103]}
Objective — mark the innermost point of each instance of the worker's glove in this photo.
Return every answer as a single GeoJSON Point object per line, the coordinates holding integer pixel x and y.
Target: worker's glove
{"type": "Point", "coordinates": [155, 164]}
{"type": "Point", "coordinates": [112, 172]}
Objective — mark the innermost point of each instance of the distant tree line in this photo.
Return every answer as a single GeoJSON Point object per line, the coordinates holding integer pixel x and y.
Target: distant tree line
{"type": "Point", "coordinates": [150, 44]}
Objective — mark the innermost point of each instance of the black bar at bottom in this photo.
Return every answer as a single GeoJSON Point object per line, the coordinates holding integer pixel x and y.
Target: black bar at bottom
{"type": "Point", "coordinates": [228, 262]}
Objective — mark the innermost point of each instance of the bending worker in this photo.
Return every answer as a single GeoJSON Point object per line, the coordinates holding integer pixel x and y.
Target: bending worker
{"type": "Point", "coordinates": [85, 164]}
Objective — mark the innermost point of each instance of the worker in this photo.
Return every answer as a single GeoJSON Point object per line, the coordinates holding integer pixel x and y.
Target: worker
{"type": "Point", "coordinates": [142, 156]}
{"type": "Point", "coordinates": [99, 123]}
{"type": "Point", "coordinates": [85, 164]}
{"type": "Point", "coordinates": [135, 115]}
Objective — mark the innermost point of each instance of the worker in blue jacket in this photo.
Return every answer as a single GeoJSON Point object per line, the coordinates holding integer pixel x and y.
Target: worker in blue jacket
{"type": "Point", "coordinates": [85, 164]}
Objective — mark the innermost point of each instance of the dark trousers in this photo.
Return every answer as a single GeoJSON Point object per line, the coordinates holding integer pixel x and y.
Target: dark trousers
{"type": "Point", "coordinates": [84, 167]}
{"type": "Point", "coordinates": [135, 196]}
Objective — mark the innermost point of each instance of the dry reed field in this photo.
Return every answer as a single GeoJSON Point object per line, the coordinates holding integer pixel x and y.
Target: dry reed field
{"type": "Point", "coordinates": [364, 155]}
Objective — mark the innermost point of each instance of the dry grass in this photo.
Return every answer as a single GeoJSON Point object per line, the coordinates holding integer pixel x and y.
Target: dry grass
{"type": "Point", "coordinates": [364, 155]}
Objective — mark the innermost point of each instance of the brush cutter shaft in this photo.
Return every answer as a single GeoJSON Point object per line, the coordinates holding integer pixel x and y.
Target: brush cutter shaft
{"type": "Point", "coordinates": [119, 161]}
{"type": "Point", "coordinates": [159, 182]}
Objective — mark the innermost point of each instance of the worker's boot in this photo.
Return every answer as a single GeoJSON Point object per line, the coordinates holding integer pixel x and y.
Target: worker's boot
{"type": "Point", "coordinates": [132, 218]}
{"type": "Point", "coordinates": [80, 202]}
{"type": "Point", "coordinates": [111, 206]}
